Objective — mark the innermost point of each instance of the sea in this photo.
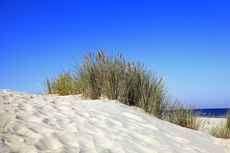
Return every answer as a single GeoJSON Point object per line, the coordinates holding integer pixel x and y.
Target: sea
{"type": "Point", "coordinates": [213, 112]}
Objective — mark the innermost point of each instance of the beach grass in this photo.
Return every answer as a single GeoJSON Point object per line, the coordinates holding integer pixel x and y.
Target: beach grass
{"type": "Point", "coordinates": [228, 120]}
{"type": "Point", "coordinates": [183, 114]}
{"type": "Point", "coordinates": [127, 81]}
{"type": "Point", "coordinates": [63, 84]}
{"type": "Point", "coordinates": [222, 130]}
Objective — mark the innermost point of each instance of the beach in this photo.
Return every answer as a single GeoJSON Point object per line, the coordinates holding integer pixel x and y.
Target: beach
{"type": "Point", "coordinates": [51, 123]}
{"type": "Point", "coordinates": [209, 122]}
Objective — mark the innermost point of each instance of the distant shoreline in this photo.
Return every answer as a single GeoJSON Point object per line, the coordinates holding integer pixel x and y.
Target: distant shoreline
{"type": "Point", "coordinates": [212, 116]}
{"type": "Point", "coordinates": [213, 112]}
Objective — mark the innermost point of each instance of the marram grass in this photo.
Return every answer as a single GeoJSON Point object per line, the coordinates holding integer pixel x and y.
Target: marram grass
{"type": "Point", "coordinates": [223, 129]}
{"type": "Point", "coordinates": [127, 81]}
{"type": "Point", "coordinates": [63, 84]}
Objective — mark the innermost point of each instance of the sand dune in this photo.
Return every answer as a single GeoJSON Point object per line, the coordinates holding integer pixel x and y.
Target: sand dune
{"type": "Point", "coordinates": [67, 124]}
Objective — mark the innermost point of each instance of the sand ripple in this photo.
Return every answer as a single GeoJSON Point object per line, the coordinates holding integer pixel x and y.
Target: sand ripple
{"type": "Point", "coordinates": [65, 124]}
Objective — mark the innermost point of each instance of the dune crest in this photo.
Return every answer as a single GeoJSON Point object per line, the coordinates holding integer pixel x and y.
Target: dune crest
{"type": "Point", "coordinates": [54, 123]}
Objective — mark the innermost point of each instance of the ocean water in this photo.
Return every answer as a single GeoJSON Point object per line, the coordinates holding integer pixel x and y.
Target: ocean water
{"type": "Point", "coordinates": [213, 112]}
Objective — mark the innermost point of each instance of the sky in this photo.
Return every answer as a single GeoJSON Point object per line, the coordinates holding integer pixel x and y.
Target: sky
{"type": "Point", "coordinates": [187, 42]}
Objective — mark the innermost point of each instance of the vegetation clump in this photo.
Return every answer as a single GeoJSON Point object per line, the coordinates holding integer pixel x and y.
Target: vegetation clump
{"type": "Point", "coordinates": [223, 129]}
{"type": "Point", "coordinates": [127, 81]}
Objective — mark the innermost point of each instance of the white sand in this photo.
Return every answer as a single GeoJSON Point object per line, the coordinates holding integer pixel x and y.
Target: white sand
{"type": "Point", "coordinates": [65, 124]}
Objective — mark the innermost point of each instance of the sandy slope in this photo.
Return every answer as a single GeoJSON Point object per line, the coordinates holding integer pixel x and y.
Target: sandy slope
{"type": "Point", "coordinates": [65, 124]}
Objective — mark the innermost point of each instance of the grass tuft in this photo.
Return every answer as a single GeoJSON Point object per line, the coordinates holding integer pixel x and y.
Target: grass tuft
{"type": "Point", "coordinates": [63, 84]}
{"type": "Point", "coordinates": [182, 113]}
{"type": "Point", "coordinates": [130, 82]}
{"type": "Point", "coordinates": [223, 129]}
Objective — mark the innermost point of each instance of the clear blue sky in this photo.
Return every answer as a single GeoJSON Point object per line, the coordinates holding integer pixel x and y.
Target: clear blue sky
{"type": "Point", "coordinates": [187, 41]}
